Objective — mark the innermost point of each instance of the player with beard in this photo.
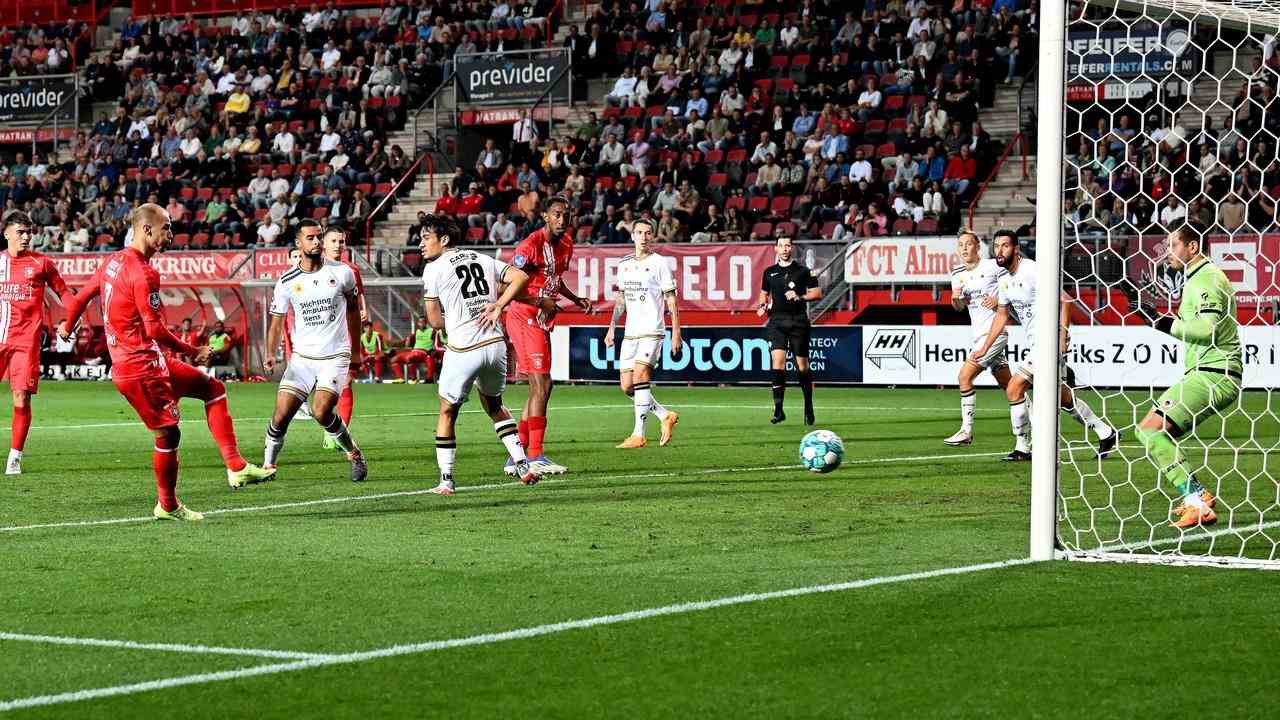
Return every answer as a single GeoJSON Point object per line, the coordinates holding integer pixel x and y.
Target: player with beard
{"type": "Point", "coordinates": [544, 255]}
{"type": "Point", "coordinates": [1017, 294]}
{"type": "Point", "coordinates": [786, 289]}
{"type": "Point", "coordinates": [322, 295]}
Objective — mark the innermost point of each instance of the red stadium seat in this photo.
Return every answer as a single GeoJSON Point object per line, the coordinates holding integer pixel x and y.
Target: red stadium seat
{"type": "Point", "coordinates": [630, 182]}
{"type": "Point", "coordinates": [787, 229]}
{"type": "Point", "coordinates": [187, 193]}
{"type": "Point", "coordinates": [103, 240]}
{"type": "Point", "coordinates": [382, 188]}
{"type": "Point", "coordinates": [763, 229]}
{"type": "Point", "coordinates": [800, 61]}
{"type": "Point", "coordinates": [605, 181]}
{"type": "Point", "coordinates": [260, 214]}
{"type": "Point", "coordinates": [886, 150]}
{"type": "Point", "coordinates": [181, 240]}
{"type": "Point", "coordinates": [877, 127]}
{"type": "Point", "coordinates": [898, 126]}
{"type": "Point", "coordinates": [475, 235]}
{"type": "Point", "coordinates": [584, 234]}
{"type": "Point", "coordinates": [918, 101]}
{"type": "Point", "coordinates": [365, 188]}
{"type": "Point", "coordinates": [205, 194]}
{"type": "Point", "coordinates": [285, 170]}
{"type": "Point", "coordinates": [714, 158]}
{"type": "Point", "coordinates": [868, 150]}
{"type": "Point", "coordinates": [766, 86]}
{"type": "Point", "coordinates": [220, 241]}
{"type": "Point", "coordinates": [633, 113]}
{"type": "Point", "coordinates": [927, 226]}
{"type": "Point", "coordinates": [887, 80]}
{"type": "Point", "coordinates": [781, 206]}
{"type": "Point", "coordinates": [894, 104]}
{"type": "Point", "coordinates": [717, 180]}
{"type": "Point", "coordinates": [318, 213]}
{"type": "Point", "coordinates": [737, 201]}
{"type": "Point", "coordinates": [828, 229]}
{"type": "Point", "coordinates": [200, 241]}
{"type": "Point", "coordinates": [758, 204]}
{"type": "Point", "coordinates": [737, 156]}
{"type": "Point", "coordinates": [748, 21]}
{"type": "Point", "coordinates": [779, 63]}
{"type": "Point", "coordinates": [903, 226]}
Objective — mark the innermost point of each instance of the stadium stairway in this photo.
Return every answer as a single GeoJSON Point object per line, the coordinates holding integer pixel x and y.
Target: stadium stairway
{"type": "Point", "coordinates": [1005, 203]}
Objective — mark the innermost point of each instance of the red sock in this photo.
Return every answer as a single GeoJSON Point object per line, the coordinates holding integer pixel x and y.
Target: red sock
{"type": "Point", "coordinates": [224, 433]}
{"type": "Point", "coordinates": [346, 404]}
{"type": "Point", "coordinates": [21, 424]}
{"type": "Point", "coordinates": [523, 429]}
{"type": "Point", "coordinates": [164, 461]}
{"type": "Point", "coordinates": [537, 429]}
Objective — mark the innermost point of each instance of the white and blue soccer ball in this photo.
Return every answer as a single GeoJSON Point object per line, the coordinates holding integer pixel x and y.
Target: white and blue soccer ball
{"type": "Point", "coordinates": [821, 451]}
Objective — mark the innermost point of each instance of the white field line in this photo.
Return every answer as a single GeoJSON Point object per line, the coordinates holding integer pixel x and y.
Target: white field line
{"type": "Point", "coordinates": [602, 406]}
{"type": "Point", "coordinates": [488, 638]}
{"type": "Point", "coordinates": [161, 647]}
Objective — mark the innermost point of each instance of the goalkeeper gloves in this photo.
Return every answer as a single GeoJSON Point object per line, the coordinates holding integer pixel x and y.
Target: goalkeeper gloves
{"type": "Point", "coordinates": [1157, 319]}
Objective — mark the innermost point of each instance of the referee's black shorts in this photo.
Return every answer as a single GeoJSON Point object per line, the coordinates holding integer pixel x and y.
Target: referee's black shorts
{"type": "Point", "coordinates": [789, 334]}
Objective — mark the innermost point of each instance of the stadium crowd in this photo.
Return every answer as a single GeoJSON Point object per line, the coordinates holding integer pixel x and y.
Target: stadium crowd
{"type": "Point", "coordinates": [241, 126]}
{"type": "Point", "coordinates": [726, 121]}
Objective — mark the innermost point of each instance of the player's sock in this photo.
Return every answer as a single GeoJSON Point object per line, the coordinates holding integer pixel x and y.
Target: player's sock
{"type": "Point", "coordinates": [275, 443]}
{"type": "Point", "coordinates": [346, 404]}
{"type": "Point", "coordinates": [656, 407]}
{"type": "Point", "coordinates": [164, 462]}
{"type": "Point", "coordinates": [1083, 414]}
{"type": "Point", "coordinates": [510, 437]}
{"type": "Point", "coordinates": [522, 428]}
{"type": "Point", "coordinates": [446, 448]}
{"type": "Point", "coordinates": [779, 388]}
{"type": "Point", "coordinates": [338, 431]}
{"type": "Point", "coordinates": [968, 408]}
{"type": "Point", "coordinates": [1168, 458]}
{"type": "Point", "coordinates": [224, 432]}
{"type": "Point", "coordinates": [537, 433]}
{"type": "Point", "coordinates": [806, 386]}
{"type": "Point", "coordinates": [21, 425]}
{"type": "Point", "coordinates": [640, 402]}
{"type": "Point", "coordinates": [1021, 428]}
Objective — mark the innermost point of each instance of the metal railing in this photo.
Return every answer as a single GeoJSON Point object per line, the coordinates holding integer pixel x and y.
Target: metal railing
{"type": "Point", "coordinates": [425, 140]}
{"type": "Point", "coordinates": [1035, 67]}
{"type": "Point", "coordinates": [549, 96]}
{"type": "Point", "coordinates": [834, 291]}
{"type": "Point", "coordinates": [995, 170]}
{"type": "Point", "coordinates": [395, 189]}
{"type": "Point", "coordinates": [52, 117]}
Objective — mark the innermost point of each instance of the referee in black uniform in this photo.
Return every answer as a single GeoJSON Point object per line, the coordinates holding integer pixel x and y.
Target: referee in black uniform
{"type": "Point", "coordinates": [785, 291]}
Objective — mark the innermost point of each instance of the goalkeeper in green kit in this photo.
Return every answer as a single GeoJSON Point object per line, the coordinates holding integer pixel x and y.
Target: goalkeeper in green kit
{"type": "Point", "coordinates": [1206, 324]}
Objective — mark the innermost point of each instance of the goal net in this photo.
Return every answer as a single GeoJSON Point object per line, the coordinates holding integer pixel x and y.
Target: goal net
{"type": "Point", "coordinates": [1168, 116]}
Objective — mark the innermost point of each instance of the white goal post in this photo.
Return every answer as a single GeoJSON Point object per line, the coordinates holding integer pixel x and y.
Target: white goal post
{"type": "Point", "coordinates": [1174, 98]}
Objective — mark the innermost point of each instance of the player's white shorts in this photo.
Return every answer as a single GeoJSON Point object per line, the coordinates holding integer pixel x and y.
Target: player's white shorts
{"type": "Point", "coordinates": [305, 375]}
{"type": "Point", "coordinates": [646, 350]}
{"type": "Point", "coordinates": [485, 367]}
{"type": "Point", "coordinates": [1065, 375]}
{"type": "Point", "coordinates": [996, 356]}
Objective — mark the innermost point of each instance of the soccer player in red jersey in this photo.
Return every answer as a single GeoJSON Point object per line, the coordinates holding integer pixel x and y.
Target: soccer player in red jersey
{"type": "Point", "coordinates": [335, 246]}
{"type": "Point", "coordinates": [136, 334]}
{"type": "Point", "coordinates": [23, 277]}
{"type": "Point", "coordinates": [544, 255]}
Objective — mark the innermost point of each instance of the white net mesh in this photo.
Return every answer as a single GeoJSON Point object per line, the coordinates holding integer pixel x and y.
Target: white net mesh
{"type": "Point", "coordinates": [1171, 118]}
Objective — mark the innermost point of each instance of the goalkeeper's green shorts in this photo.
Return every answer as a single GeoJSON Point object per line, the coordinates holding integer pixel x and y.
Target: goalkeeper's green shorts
{"type": "Point", "coordinates": [1197, 396]}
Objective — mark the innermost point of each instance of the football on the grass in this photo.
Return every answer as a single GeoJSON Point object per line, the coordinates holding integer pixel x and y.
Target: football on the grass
{"type": "Point", "coordinates": [821, 451]}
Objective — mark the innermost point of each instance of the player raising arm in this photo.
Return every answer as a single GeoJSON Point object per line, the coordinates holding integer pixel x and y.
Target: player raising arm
{"type": "Point", "coordinates": [975, 285]}
{"type": "Point", "coordinates": [461, 296]}
{"type": "Point", "coordinates": [646, 292]}
{"type": "Point", "coordinates": [1206, 324]}
{"type": "Point", "coordinates": [24, 275]}
{"type": "Point", "coordinates": [322, 295]}
{"type": "Point", "coordinates": [1017, 293]}
{"type": "Point", "coordinates": [136, 334]}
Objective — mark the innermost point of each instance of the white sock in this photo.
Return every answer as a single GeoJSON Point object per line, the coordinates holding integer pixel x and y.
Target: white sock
{"type": "Point", "coordinates": [14, 454]}
{"type": "Point", "coordinates": [446, 448]}
{"type": "Point", "coordinates": [968, 407]}
{"type": "Point", "coordinates": [656, 407]}
{"type": "Point", "coordinates": [641, 401]}
{"type": "Point", "coordinates": [508, 433]}
{"type": "Point", "coordinates": [338, 431]}
{"type": "Point", "coordinates": [275, 443]}
{"type": "Point", "coordinates": [1083, 414]}
{"type": "Point", "coordinates": [1021, 428]}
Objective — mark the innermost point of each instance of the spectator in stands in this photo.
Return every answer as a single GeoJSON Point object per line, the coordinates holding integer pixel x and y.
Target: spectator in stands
{"type": "Point", "coordinates": [490, 161]}
{"type": "Point", "coordinates": [960, 171]}
{"type": "Point", "coordinates": [611, 157]}
{"type": "Point", "coordinates": [624, 90]}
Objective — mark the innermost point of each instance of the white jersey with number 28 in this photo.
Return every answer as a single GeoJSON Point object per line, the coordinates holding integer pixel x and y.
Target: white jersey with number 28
{"type": "Point", "coordinates": [464, 281]}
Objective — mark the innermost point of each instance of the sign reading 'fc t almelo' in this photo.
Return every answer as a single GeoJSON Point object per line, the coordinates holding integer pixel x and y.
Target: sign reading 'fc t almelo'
{"type": "Point", "coordinates": [513, 78]}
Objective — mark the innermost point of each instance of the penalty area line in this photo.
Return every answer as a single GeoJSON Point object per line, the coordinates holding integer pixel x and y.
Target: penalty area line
{"type": "Point", "coordinates": [160, 647]}
{"type": "Point", "coordinates": [490, 638]}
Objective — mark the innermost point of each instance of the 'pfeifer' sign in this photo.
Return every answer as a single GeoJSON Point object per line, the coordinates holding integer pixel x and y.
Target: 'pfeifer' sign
{"type": "Point", "coordinates": [1139, 52]}
{"type": "Point", "coordinates": [512, 78]}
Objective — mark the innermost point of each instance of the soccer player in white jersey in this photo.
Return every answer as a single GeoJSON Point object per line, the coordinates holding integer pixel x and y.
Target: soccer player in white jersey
{"type": "Point", "coordinates": [326, 320]}
{"type": "Point", "coordinates": [464, 294]}
{"type": "Point", "coordinates": [1017, 292]}
{"type": "Point", "coordinates": [646, 293]}
{"type": "Point", "coordinates": [975, 285]}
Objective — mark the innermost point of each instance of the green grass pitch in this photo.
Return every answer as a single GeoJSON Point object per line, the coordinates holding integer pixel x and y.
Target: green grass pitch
{"type": "Point", "coordinates": [723, 512]}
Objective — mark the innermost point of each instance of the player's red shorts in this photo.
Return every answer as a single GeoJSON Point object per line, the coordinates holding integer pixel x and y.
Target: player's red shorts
{"type": "Point", "coordinates": [155, 397]}
{"type": "Point", "coordinates": [532, 345]}
{"type": "Point", "coordinates": [21, 367]}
